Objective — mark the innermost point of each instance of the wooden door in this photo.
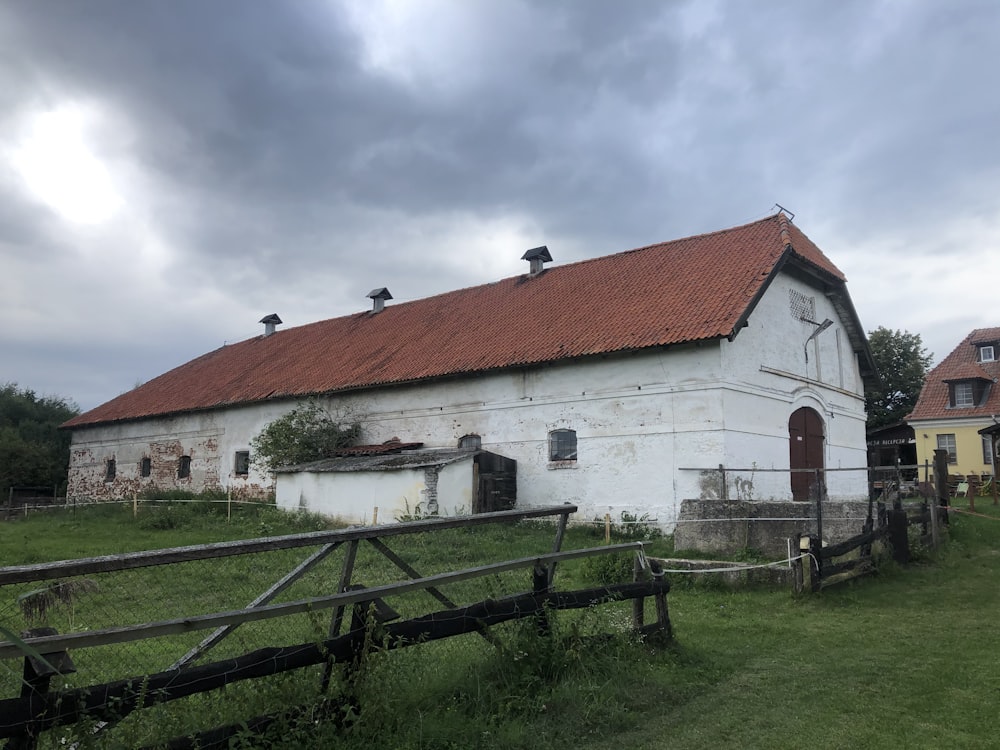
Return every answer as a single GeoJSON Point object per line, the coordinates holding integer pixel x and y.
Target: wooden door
{"type": "Point", "coordinates": [805, 449]}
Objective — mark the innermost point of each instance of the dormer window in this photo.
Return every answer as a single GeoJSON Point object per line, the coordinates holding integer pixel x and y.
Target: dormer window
{"type": "Point", "coordinates": [963, 396]}
{"type": "Point", "coordinates": [966, 394]}
{"type": "Point", "coordinates": [986, 354]}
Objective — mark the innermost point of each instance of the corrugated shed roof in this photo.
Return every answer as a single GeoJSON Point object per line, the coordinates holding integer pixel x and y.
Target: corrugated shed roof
{"type": "Point", "coordinates": [692, 289]}
{"type": "Point", "coordinates": [417, 459]}
{"type": "Point", "coordinates": [961, 364]}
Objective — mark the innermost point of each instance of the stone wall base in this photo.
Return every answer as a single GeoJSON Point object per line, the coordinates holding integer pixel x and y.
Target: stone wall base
{"type": "Point", "coordinates": [727, 527]}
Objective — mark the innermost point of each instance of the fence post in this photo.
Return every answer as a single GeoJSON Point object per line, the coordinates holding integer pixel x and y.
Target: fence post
{"type": "Point", "coordinates": [941, 479]}
{"type": "Point", "coordinates": [36, 678]}
{"type": "Point", "coordinates": [639, 603]}
{"type": "Point", "coordinates": [798, 579]}
{"type": "Point", "coordinates": [607, 528]}
{"type": "Point", "coordinates": [817, 489]}
{"type": "Point", "coordinates": [867, 528]}
{"type": "Point", "coordinates": [662, 613]}
{"type": "Point", "coordinates": [725, 485]}
{"type": "Point", "coordinates": [816, 566]}
{"type": "Point", "coordinates": [898, 537]}
{"type": "Point", "coordinates": [935, 525]}
{"type": "Point", "coordinates": [898, 503]}
{"type": "Point", "coordinates": [540, 586]}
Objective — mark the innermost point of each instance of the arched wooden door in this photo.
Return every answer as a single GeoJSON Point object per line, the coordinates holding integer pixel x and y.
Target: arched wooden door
{"type": "Point", "coordinates": [805, 449]}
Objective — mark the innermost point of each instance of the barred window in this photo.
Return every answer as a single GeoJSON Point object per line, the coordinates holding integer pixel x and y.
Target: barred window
{"type": "Point", "coordinates": [110, 470]}
{"type": "Point", "coordinates": [802, 307]}
{"type": "Point", "coordinates": [241, 463]}
{"type": "Point", "coordinates": [562, 445]}
{"type": "Point", "coordinates": [145, 467]}
{"type": "Point", "coordinates": [184, 467]}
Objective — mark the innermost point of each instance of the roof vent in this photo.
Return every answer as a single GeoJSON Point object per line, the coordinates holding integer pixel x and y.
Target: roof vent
{"type": "Point", "coordinates": [270, 321]}
{"type": "Point", "coordinates": [536, 256]}
{"type": "Point", "coordinates": [378, 298]}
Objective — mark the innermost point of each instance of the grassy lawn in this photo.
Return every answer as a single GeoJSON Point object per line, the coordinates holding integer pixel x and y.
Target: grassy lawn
{"type": "Point", "coordinates": [904, 659]}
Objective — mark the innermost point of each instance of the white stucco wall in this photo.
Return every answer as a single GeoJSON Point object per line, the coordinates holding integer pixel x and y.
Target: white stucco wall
{"type": "Point", "coordinates": [642, 420]}
{"type": "Point", "coordinates": [354, 496]}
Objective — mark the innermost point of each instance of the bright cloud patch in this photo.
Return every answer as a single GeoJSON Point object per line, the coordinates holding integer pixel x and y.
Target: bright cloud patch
{"type": "Point", "coordinates": [63, 172]}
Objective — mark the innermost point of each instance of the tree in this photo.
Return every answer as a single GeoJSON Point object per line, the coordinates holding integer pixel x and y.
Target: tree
{"type": "Point", "coordinates": [902, 363]}
{"type": "Point", "coordinates": [307, 433]}
{"type": "Point", "coordinates": [33, 451]}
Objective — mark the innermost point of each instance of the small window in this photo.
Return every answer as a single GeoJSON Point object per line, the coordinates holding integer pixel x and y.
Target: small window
{"type": "Point", "coordinates": [963, 396]}
{"type": "Point", "coordinates": [110, 470]}
{"type": "Point", "coordinates": [562, 445]}
{"type": "Point", "coordinates": [241, 463]}
{"type": "Point", "coordinates": [184, 467]}
{"type": "Point", "coordinates": [986, 354]}
{"type": "Point", "coordinates": [987, 450]}
{"type": "Point", "coordinates": [145, 467]}
{"type": "Point", "coordinates": [470, 442]}
{"type": "Point", "coordinates": [947, 443]}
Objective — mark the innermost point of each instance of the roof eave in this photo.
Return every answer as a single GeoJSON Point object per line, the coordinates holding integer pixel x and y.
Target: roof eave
{"type": "Point", "coordinates": [395, 383]}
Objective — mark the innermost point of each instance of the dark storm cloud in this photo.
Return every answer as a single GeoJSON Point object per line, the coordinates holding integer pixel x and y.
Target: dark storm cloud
{"type": "Point", "coordinates": [273, 160]}
{"type": "Point", "coordinates": [264, 108]}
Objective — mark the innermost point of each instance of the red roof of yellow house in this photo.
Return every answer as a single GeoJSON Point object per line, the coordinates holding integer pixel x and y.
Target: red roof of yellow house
{"type": "Point", "coordinates": [963, 364]}
{"type": "Point", "coordinates": [687, 290]}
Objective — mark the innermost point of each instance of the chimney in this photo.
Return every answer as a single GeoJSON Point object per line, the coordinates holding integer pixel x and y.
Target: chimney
{"type": "Point", "coordinates": [270, 321]}
{"type": "Point", "coordinates": [536, 256]}
{"type": "Point", "coordinates": [378, 298]}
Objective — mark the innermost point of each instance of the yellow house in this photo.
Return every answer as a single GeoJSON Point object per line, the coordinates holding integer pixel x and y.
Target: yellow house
{"type": "Point", "coordinates": [959, 398]}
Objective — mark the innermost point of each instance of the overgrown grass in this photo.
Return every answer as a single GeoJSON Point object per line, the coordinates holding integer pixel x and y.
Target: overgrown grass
{"type": "Point", "coordinates": [904, 659]}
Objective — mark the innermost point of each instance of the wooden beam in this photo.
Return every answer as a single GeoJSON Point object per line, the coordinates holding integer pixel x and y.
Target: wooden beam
{"type": "Point", "coordinates": [112, 700]}
{"type": "Point", "coordinates": [130, 633]}
{"type": "Point", "coordinates": [148, 558]}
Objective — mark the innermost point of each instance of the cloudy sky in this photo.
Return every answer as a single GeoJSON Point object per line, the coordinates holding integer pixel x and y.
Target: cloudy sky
{"type": "Point", "coordinates": [173, 170]}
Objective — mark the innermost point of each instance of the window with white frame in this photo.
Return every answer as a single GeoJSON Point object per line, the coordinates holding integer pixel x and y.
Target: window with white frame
{"type": "Point", "coordinates": [987, 450]}
{"type": "Point", "coordinates": [986, 354]}
{"type": "Point", "coordinates": [947, 443]}
{"type": "Point", "coordinates": [964, 397]}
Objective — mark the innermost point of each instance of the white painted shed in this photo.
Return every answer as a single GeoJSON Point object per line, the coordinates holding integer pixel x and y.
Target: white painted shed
{"type": "Point", "coordinates": [414, 482]}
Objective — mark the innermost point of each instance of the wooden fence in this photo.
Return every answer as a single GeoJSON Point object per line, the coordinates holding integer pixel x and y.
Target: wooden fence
{"type": "Point", "coordinates": [38, 708]}
{"type": "Point", "coordinates": [891, 527]}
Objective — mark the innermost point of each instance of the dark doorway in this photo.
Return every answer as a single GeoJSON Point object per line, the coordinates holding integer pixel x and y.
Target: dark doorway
{"type": "Point", "coordinates": [494, 482]}
{"type": "Point", "coordinates": [805, 449]}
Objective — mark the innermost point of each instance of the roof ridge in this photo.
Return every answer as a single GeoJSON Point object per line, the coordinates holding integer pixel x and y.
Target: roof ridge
{"type": "Point", "coordinates": [571, 264]}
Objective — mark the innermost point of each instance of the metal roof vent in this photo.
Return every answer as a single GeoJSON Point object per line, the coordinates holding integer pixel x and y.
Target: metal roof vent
{"type": "Point", "coordinates": [378, 298]}
{"type": "Point", "coordinates": [536, 256]}
{"type": "Point", "coordinates": [270, 321]}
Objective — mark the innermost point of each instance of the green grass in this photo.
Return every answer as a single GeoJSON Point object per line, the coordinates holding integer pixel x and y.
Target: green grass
{"type": "Point", "coordinates": [903, 659]}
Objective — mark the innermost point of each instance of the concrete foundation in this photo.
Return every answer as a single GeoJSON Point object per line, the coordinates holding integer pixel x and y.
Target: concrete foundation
{"type": "Point", "coordinates": [727, 527]}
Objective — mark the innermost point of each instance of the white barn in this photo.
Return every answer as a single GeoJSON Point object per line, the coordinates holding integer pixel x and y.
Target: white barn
{"type": "Point", "coordinates": [606, 380]}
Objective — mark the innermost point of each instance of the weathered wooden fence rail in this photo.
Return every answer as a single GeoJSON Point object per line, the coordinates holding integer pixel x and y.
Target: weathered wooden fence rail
{"type": "Point", "coordinates": [37, 709]}
{"type": "Point", "coordinates": [890, 526]}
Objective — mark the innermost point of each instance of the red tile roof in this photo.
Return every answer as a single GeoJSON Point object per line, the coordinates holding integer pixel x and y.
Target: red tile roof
{"type": "Point", "coordinates": [692, 289]}
{"type": "Point", "coordinates": [962, 364]}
